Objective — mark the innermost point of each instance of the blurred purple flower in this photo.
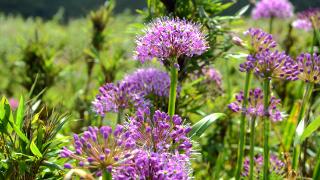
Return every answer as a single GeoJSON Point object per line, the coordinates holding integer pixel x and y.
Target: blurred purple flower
{"type": "Point", "coordinates": [101, 149]}
{"type": "Point", "coordinates": [13, 103]}
{"type": "Point", "coordinates": [167, 38]}
{"type": "Point", "coordinates": [272, 8]}
{"type": "Point", "coordinates": [276, 166]}
{"type": "Point", "coordinates": [149, 81]}
{"type": "Point", "coordinates": [306, 68]}
{"type": "Point", "coordinates": [212, 75]}
{"type": "Point", "coordinates": [159, 133]}
{"type": "Point", "coordinates": [306, 18]}
{"type": "Point", "coordinates": [255, 106]}
{"type": "Point", "coordinates": [115, 97]}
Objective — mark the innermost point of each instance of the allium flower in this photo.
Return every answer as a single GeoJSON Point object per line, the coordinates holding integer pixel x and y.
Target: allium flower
{"type": "Point", "coordinates": [158, 166]}
{"type": "Point", "coordinates": [255, 105]}
{"type": "Point", "coordinates": [101, 149]}
{"type": "Point", "coordinates": [213, 75]}
{"type": "Point", "coordinates": [167, 38]}
{"type": "Point", "coordinates": [115, 97]}
{"type": "Point", "coordinates": [260, 40]}
{"type": "Point", "coordinates": [272, 64]}
{"type": "Point", "coordinates": [272, 8]}
{"type": "Point", "coordinates": [160, 133]}
{"type": "Point", "coordinates": [306, 18]}
{"type": "Point", "coordinates": [149, 81]}
{"type": "Point", "coordinates": [306, 68]}
{"type": "Point", "coordinates": [276, 166]}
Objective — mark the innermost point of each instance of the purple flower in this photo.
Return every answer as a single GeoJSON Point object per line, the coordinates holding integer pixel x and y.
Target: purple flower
{"type": "Point", "coordinates": [276, 166]}
{"type": "Point", "coordinates": [159, 133]}
{"type": "Point", "coordinates": [306, 68]}
{"type": "Point", "coordinates": [306, 18]}
{"type": "Point", "coordinates": [99, 149]}
{"type": "Point", "coordinates": [157, 166]}
{"type": "Point", "coordinates": [272, 8]}
{"type": "Point", "coordinates": [167, 38]}
{"type": "Point", "coordinates": [212, 75]}
{"type": "Point", "coordinates": [121, 96]}
{"type": "Point", "coordinates": [260, 40]}
{"type": "Point", "coordinates": [149, 81]}
{"type": "Point", "coordinates": [255, 105]}
{"type": "Point", "coordinates": [13, 103]}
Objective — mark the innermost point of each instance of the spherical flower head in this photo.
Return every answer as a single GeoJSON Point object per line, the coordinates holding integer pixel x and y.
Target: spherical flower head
{"type": "Point", "coordinates": [277, 166]}
{"type": "Point", "coordinates": [149, 81]}
{"type": "Point", "coordinates": [115, 97]}
{"type": "Point", "coordinates": [160, 133]}
{"type": "Point", "coordinates": [158, 166]}
{"type": "Point", "coordinates": [272, 8]}
{"type": "Point", "coordinates": [100, 149]}
{"type": "Point", "coordinates": [167, 38]}
{"type": "Point", "coordinates": [260, 40]}
{"type": "Point", "coordinates": [306, 68]}
{"type": "Point", "coordinates": [255, 106]}
{"type": "Point", "coordinates": [275, 64]}
{"type": "Point", "coordinates": [308, 19]}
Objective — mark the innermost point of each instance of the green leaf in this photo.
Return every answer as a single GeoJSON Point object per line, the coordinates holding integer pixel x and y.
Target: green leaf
{"type": "Point", "coordinates": [34, 149]}
{"type": "Point", "coordinates": [199, 128]}
{"type": "Point", "coordinates": [299, 132]}
{"type": "Point", "coordinates": [19, 133]}
{"type": "Point", "coordinates": [52, 165]}
{"type": "Point", "coordinates": [313, 126]}
{"type": "Point", "coordinates": [20, 112]}
{"type": "Point", "coordinates": [290, 125]}
{"type": "Point", "coordinates": [242, 10]}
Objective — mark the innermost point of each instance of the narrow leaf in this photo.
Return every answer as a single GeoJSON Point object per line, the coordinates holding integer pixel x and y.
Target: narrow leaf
{"type": "Point", "coordinates": [20, 112]}
{"type": "Point", "coordinates": [34, 149]}
{"type": "Point", "coordinates": [313, 126]}
{"type": "Point", "coordinates": [199, 128]}
{"type": "Point", "coordinates": [299, 131]}
{"type": "Point", "coordinates": [242, 10]}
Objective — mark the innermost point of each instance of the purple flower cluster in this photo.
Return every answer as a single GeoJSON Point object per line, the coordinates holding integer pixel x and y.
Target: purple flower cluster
{"type": "Point", "coordinates": [159, 133]}
{"type": "Point", "coordinates": [306, 68]}
{"type": "Point", "coordinates": [157, 166]}
{"type": "Point", "coordinates": [306, 18]}
{"type": "Point", "coordinates": [212, 75]}
{"type": "Point", "coordinates": [276, 166]}
{"type": "Point", "coordinates": [167, 38]}
{"type": "Point", "coordinates": [132, 91]}
{"type": "Point", "coordinates": [255, 105]}
{"type": "Point", "coordinates": [272, 8]}
{"type": "Point", "coordinates": [115, 97]}
{"type": "Point", "coordinates": [260, 40]}
{"type": "Point", "coordinates": [101, 149]}
{"type": "Point", "coordinates": [150, 81]}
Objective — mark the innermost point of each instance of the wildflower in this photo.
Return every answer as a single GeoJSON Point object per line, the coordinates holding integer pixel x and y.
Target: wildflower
{"type": "Point", "coordinates": [13, 103]}
{"type": "Point", "coordinates": [308, 19]}
{"type": "Point", "coordinates": [212, 75]}
{"type": "Point", "coordinates": [149, 81]}
{"type": "Point", "coordinates": [255, 106]}
{"type": "Point", "coordinates": [276, 166]}
{"type": "Point", "coordinates": [260, 40]}
{"type": "Point", "coordinates": [167, 38]}
{"type": "Point", "coordinates": [115, 97]}
{"type": "Point", "coordinates": [157, 166]}
{"type": "Point", "coordinates": [306, 68]}
{"type": "Point", "coordinates": [101, 150]}
{"type": "Point", "coordinates": [159, 133]}
{"type": "Point", "coordinates": [272, 8]}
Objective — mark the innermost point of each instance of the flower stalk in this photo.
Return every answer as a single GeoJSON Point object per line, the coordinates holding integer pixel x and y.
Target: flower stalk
{"type": "Point", "coordinates": [173, 90]}
{"type": "Point", "coordinates": [242, 125]}
{"type": "Point", "coordinates": [266, 128]}
{"type": "Point", "coordinates": [252, 131]}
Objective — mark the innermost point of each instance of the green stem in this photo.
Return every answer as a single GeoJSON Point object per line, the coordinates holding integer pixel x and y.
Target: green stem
{"type": "Point", "coordinates": [106, 175]}
{"type": "Point", "coordinates": [242, 140]}
{"type": "Point", "coordinates": [316, 173]}
{"type": "Point", "coordinates": [271, 25]}
{"type": "Point", "coordinates": [266, 128]}
{"type": "Point", "coordinates": [173, 90]}
{"type": "Point", "coordinates": [304, 105]}
{"type": "Point", "coordinates": [252, 131]}
{"type": "Point", "coordinates": [119, 118]}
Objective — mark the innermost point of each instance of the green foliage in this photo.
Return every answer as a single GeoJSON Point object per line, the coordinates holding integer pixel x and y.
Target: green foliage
{"type": "Point", "coordinates": [201, 126]}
